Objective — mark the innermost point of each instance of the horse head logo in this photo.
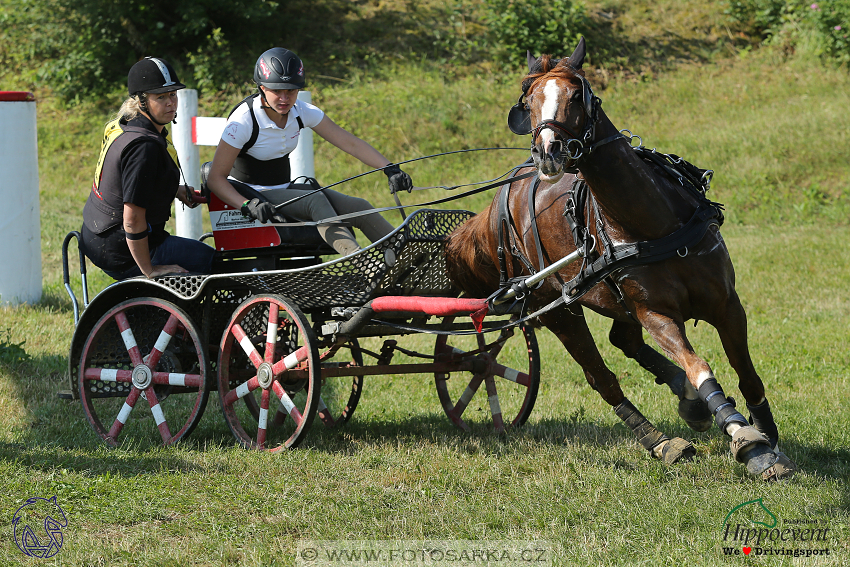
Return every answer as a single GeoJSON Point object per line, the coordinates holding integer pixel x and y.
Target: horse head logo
{"type": "Point", "coordinates": [38, 527]}
{"type": "Point", "coordinates": [756, 513]}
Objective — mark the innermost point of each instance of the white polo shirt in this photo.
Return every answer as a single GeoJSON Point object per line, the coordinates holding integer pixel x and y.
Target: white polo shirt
{"type": "Point", "coordinates": [272, 141]}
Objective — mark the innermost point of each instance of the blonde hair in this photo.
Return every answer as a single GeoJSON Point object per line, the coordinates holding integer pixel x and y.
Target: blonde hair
{"type": "Point", "coordinates": [131, 108]}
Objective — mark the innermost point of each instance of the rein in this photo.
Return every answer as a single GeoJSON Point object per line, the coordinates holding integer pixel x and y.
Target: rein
{"type": "Point", "coordinates": [347, 179]}
{"type": "Point", "coordinates": [341, 218]}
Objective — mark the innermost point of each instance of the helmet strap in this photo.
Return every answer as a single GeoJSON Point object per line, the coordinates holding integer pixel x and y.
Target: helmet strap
{"type": "Point", "coordinates": [265, 100]}
{"type": "Point", "coordinates": [143, 97]}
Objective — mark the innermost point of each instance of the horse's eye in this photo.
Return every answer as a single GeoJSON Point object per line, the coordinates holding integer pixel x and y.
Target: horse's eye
{"type": "Point", "coordinates": [576, 96]}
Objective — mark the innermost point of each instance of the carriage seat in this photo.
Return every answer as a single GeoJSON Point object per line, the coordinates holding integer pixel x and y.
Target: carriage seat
{"type": "Point", "coordinates": [233, 232]}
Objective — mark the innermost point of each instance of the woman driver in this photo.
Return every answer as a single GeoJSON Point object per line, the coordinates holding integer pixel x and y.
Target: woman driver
{"type": "Point", "coordinates": [261, 133]}
{"type": "Point", "coordinates": [136, 180]}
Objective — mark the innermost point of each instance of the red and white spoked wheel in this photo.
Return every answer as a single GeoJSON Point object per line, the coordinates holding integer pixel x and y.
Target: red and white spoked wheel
{"type": "Point", "coordinates": [282, 376]}
{"type": "Point", "coordinates": [506, 364]}
{"type": "Point", "coordinates": [146, 349]}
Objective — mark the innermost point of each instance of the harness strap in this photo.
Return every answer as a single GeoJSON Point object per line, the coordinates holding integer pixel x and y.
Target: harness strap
{"type": "Point", "coordinates": [533, 214]}
{"type": "Point", "coordinates": [645, 252]}
{"type": "Point", "coordinates": [574, 211]}
{"type": "Point", "coordinates": [508, 235]}
{"type": "Point", "coordinates": [504, 224]}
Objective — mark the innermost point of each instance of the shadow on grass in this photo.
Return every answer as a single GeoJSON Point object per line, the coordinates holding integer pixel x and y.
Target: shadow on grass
{"type": "Point", "coordinates": [94, 461]}
{"type": "Point", "coordinates": [59, 436]}
{"type": "Point", "coordinates": [582, 435]}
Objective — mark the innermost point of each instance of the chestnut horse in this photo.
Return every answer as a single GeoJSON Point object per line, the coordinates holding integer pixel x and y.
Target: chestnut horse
{"type": "Point", "coordinates": [633, 209]}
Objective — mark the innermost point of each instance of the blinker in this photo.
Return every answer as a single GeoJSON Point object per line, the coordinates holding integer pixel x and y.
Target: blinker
{"type": "Point", "coordinates": [587, 96]}
{"type": "Point", "coordinates": [519, 118]}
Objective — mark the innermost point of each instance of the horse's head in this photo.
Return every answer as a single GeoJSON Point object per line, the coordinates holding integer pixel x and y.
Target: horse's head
{"type": "Point", "coordinates": [559, 111]}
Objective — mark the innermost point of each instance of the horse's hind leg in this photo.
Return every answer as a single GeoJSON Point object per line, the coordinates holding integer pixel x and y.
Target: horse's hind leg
{"type": "Point", "coordinates": [628, 337]}
{"type": "Point", "coordinates": [570, 326]}
{"type": "Point", "coordinates": [733, 334]}
{"type": "Point", "coordinates": [748, 446]}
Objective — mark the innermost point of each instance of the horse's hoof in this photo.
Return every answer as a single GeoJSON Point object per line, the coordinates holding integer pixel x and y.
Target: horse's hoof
{"type": "Point", "coordinates": [700, 426]}
{"type": "Point", "coordinates": [782, 469]}
{"type": "Point", "coordinates": [751, 447]}
{"type": "Point", "coordinates": [696, 414]}
{"type": "Point", "coordinates": [677, 449]}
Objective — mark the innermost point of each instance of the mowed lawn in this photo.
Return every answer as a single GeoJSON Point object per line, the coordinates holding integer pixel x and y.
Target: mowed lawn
{"type": "Point", "coordinates": [574, 476]}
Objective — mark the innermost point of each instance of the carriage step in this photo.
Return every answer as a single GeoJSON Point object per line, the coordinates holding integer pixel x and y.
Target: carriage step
{"type": "Point", "coordinates": [65, 395]}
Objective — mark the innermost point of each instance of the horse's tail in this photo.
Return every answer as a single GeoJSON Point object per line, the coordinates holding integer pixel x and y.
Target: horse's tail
{"type": "Point", "coordinates": [470, 254]}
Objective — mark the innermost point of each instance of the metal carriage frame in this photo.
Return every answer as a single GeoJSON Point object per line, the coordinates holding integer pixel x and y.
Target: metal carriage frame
{"type": "Point", "coordinates": [277, 334]}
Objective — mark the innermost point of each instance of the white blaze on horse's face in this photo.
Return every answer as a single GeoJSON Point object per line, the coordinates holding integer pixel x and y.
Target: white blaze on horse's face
{"type": "Point", "coordinates": [551, 96]}
{"type": "Point", "coordinates": [548, 111]}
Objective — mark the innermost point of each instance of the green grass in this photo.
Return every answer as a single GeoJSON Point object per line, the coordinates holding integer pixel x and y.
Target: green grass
{"type": "Point", "coordinates": [773, 130]}
{"type": "Point", "coordinates": [573, 476]}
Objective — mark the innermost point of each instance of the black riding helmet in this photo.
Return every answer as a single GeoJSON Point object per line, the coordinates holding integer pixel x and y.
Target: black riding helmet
{"type": "Point", "coordinates": [152, 75]}
{"type": "Point", "coordinates": [279, 68]}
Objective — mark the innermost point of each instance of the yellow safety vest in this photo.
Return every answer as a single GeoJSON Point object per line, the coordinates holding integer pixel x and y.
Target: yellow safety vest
{"type": "Point", "coordinates": [110, 133]}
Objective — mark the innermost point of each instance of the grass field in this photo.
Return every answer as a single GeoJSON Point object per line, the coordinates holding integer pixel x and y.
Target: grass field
{"type": "Point", "coordinates": [574, 477]}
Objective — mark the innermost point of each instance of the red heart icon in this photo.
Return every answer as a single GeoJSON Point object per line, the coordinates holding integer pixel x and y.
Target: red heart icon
{"type": "Point", "coordinates": [747, 550]}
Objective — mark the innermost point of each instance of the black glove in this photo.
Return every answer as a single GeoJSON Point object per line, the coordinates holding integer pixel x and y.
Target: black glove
{"type": "Point", "coordinates": [399, 180]}
{"type": "Point", "coordinates": [256, 209]}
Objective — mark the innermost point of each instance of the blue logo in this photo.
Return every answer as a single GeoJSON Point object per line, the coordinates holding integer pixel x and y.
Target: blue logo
{"type": "Point", "coordinates": [38, 527]}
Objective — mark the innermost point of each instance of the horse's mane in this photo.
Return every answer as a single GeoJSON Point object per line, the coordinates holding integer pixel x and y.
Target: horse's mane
{"type": "Point", "coordinates": [547, 66]}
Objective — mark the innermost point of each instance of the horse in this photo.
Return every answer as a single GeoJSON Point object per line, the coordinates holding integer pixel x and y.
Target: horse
{"type": "Point", "coordinates": [653, 258]}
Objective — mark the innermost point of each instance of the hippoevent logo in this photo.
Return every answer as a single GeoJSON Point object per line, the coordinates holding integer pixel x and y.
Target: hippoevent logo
{"type": "Point", "coordinates": [751, 529]}
{"type": "Point", "coordinates": [38, 527]}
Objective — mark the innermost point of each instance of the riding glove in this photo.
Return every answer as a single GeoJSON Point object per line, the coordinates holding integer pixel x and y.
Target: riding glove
{"type": "Point", "coordinates": [256, 209]}
{"type": "Point", "coordinates": [399, 180]}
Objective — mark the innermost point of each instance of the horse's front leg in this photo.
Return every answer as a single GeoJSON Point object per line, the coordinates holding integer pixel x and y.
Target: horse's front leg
{"type": "Point", "coordinates": [732, 328]}
{"type": "Point", "coordinates": [570, 326]}
{"type": "Point", "coordinates": [748, 445]}
{"type": "Point", "coordinates": [628, 337]}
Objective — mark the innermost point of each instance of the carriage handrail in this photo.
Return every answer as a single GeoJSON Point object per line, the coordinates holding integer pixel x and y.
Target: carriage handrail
{"type": "Point", "coordinates": [67, 275]}
{"type": "Point", "coordinates": [401, 263]}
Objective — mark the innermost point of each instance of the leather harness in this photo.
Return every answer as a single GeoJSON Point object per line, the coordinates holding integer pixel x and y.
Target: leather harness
{"type": "Point", "coordinates": [601, 267]}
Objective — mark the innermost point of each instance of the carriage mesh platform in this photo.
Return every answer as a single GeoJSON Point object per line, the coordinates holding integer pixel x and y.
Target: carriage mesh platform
{"type": "Point", "coordinates": [409, 261]}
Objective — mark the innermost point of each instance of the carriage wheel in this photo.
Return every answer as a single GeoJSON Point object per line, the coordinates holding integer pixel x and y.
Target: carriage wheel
{"type": "Point", "coordinates": [282, 376]}
{"type": "Point", "coordinates": [147, 349]}
{"type": "Point", "coordinates": [340, 395]}
{"type": "Point", "coordinates": [507, 367]}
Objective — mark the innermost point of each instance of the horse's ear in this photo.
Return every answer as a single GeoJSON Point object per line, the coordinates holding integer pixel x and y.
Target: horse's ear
{"type": "Point", "coordinates": [577, 58]}
{"type": "Point", "coordinates": [531, 60]}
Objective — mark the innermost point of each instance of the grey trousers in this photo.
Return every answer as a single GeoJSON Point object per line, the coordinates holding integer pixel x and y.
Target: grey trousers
{"type": "Point", "coordinates": [329, 203]}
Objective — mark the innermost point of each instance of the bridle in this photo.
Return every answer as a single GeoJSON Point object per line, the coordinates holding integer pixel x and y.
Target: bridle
{"type": "Point", "coordinates": [574, 145]}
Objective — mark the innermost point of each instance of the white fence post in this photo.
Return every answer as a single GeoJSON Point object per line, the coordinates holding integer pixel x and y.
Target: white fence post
{"type": "Point", "coordinates": [189, 223]}
{"type": "Point", "coordinates": [20, 225]}
{"type": "Point", "coordinates": [301, 158]}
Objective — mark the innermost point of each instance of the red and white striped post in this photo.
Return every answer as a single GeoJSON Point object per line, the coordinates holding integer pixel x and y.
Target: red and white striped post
{"type": "Point", "coordinates": [192, 131]}
{"type": "Point", "coordinates": [20, 225]}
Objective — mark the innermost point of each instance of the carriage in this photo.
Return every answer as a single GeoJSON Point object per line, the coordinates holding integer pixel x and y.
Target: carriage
{"type": "Point", "coordinates": [277, 328]}
{"type": "Point", "coordinates": [652, 258]}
